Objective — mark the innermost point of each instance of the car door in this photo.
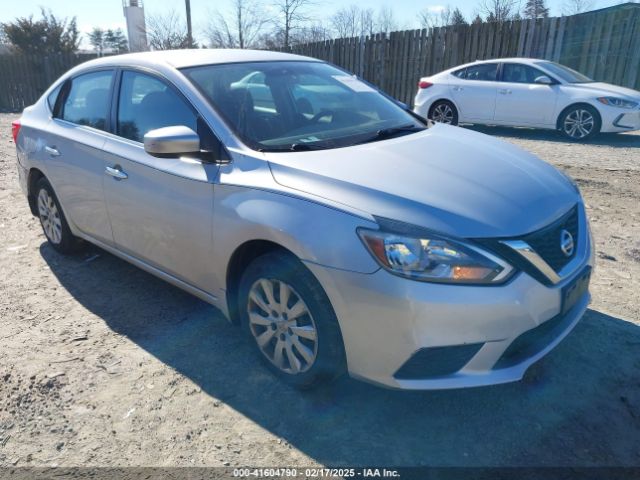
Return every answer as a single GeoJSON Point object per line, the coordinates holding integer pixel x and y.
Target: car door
{"type": "Point", "coordinates": [161, 209]}
{"type": "Point", "coordinates": [474, 91]}
{"type": "Point", "coordinates": [75, 159]}
{"type": "Point", "coordinates": [522, 101]}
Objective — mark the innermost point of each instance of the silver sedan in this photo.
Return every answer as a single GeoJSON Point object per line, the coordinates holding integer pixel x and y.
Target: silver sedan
{"type": "Point", "coordinates": [338, 228]}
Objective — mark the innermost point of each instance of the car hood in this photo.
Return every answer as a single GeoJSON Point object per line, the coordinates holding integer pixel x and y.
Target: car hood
{"type": "Point", "coordinates": [607, 89]}
{"type": "Point", "coordinates": [448, 179]}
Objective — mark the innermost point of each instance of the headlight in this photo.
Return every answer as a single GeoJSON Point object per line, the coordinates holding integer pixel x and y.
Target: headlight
{"type": "Point", "coordinates": [617, 102]}
{"type": "Point", "coordinates": [432, 258]}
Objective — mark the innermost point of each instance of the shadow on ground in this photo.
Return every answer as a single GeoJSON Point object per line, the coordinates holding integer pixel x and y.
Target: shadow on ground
{"type": "Point", "coordinates": [578, 406]}
{"type": "Point", "coordinates": [616, 140]}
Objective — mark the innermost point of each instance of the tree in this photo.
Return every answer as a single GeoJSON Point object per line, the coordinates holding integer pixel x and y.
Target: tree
{"type": "Point", "coordinates": [311, 34]}
{"type": "Point", "coordinates": [498, 10]}
{"type": "Point", "coordinates": [45, 36]}
{"type": "Point", "coordinates": [573, 7]}
{"type": "Point", "coordinates": [457, 18]}
{"type": "Point", "coordinates": [535, 9]}
{"type": "Point", "coordinates": [441, 17]}
{"type": "Point", "coordinates": [353, 21]}
{"type": "Point", "coordinates": [386, 20]}
{"type": "Point", "coordinates": [240, 28]}
{"type": "Point", "coordinates": [96, 39]}
{"type": "Point", "coordinates": [166, 31]}
{"type": "Point", "coordinates": [291, 15]}
{"type": "Point", "coordinates": [116, 41]}
{"type": "Point", "coordinates": [477, 19]}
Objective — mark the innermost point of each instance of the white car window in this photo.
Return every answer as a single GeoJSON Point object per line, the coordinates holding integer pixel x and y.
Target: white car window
{"type": "Point", "coordinates": [520, 73]}
{"type": "Point", "coordinates": [484, 71]}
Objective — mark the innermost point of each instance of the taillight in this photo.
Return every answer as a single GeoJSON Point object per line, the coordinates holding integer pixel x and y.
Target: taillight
{"type": "Point", "coordinates": [424, 84]}
{"type": "Point", "coordinates": [15, 129]}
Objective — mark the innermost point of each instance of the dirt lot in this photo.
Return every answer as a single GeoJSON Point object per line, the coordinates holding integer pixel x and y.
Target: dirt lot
{"type": "Point", "coordinates": [102, 364]}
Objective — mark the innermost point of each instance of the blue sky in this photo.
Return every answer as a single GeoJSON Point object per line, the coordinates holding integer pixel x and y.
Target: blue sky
{"type": "Point", "coordinates": [108, 13]}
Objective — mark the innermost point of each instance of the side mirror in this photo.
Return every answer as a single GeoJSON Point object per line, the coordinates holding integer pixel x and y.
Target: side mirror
{"type": "Point", "coordinates": [543, 80]}
{"type": "Point", "coordinates": [171, 141]}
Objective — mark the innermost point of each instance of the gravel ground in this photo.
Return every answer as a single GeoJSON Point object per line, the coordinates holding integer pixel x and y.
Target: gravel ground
{"type": "Point", "coordinates": [102, 364]}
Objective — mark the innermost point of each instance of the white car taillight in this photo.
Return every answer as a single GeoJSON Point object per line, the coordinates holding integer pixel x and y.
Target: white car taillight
{"type": "Point", "coordinates": [424, 84]}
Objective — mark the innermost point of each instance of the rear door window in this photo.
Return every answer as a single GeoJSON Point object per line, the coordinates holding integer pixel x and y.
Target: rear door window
{"type": "Point", "coordinates": [485, 71]}
{"type": "Point", "coordinates": [87, 102]}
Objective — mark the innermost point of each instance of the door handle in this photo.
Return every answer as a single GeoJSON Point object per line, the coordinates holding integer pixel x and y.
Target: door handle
{"type": "Point", "coordinates": [53, 151]}
{"type": "Point", "coordinates": [505, 91]}
{"type": "Point", "coordinates": [116, 172]}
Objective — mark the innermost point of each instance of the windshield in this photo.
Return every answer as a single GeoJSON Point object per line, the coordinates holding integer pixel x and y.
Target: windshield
{"type": "Point", "coordinates": [565, 73]}
{"type": "Point", "coordinates": [299, 105]}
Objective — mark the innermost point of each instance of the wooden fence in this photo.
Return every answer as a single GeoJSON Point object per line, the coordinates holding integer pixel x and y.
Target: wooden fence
{"type": "Point", "coordinates": [603, 44]}
{"type": "Point", "coordinates": [23, 78]}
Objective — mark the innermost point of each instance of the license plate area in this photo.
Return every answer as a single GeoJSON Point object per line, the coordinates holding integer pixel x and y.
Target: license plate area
{"type": "Point", "coordinates": [574, 291]}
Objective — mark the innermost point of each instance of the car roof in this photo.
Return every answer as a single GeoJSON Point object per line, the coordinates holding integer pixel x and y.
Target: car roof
{"type": "Point", "coordinates": [525, 60]}
{"type": "Point", "coordinates": [195, 57]}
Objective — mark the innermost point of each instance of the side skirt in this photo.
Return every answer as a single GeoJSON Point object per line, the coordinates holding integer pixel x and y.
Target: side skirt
{"type": "Point", "coordinates": [195, 291]}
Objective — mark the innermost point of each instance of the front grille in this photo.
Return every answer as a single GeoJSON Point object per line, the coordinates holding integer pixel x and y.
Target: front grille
{"type": "Point", "coordinates": [546, 242]}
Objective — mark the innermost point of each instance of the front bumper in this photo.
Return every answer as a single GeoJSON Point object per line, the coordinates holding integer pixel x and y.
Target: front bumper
{"type": "Point", "coordinates": [619, 119]}
{"type": "Point", "coordinates": [386, 320]}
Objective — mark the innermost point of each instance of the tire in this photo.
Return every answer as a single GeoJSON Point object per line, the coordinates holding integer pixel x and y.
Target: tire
{"type": "Point", "coordinates": [443, 111]}
{"type": "Point", "coordinates": [579, 123]}
{"type": "Point", "coordinates": [310, 345]}
{"type": "Point", "coordinates": [54, 224]}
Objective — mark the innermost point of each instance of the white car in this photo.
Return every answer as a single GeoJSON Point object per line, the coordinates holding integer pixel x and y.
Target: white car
{"type": "Point", "coordinates": [527, 92]}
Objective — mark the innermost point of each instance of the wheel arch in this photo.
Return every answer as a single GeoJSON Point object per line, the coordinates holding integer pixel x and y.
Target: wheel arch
{"type": "Point", "coordinates": [35, 175]}
{"type": "Point", "coordinates": [444, 99]}
{"type": "Point", "coordinates": [574, 105]}
{"type": "Point", "coordinates": [240, 259]}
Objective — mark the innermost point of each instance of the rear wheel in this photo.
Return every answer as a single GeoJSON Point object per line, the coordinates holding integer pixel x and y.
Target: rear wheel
{"type": "Point", "coordinates": [54, 224]}
{"type": "Point", "coordinates": [580, 122]}
{"type": "Point", "coordinates": [444, 111]}
{"type": "Point", "coordinates": [290, 320]}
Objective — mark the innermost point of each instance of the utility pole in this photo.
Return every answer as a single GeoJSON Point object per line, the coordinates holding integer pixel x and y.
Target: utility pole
{"type": "Point", "coordinates": [189, 31]}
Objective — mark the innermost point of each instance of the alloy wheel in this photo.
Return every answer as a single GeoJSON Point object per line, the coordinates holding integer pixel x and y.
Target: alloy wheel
{"type": "Point", "coordinates": [282, 325]}
{"type": "Point", "coordinates": [442, 113]}
{"type": "Point", "coordinates": [578, 124]}
{"type": "Point", "coordinates": [49, 217]}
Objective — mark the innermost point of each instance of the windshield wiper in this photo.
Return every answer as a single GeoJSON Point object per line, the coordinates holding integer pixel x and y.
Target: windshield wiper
{"type": "Point", "coordinates": [385, 133]}
{"type": "Point", "coordinates": [295, 147]}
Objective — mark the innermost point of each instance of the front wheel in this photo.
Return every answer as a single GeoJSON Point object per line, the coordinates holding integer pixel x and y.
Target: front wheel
{"type": "Point", "coordinates": [580, 122]}
{"type": "Point", "coordinates": [290, 320]}
{"type": "Point", "coordinates": [444, 111]}
{"type": "Point", "coordinates": [54, 224]}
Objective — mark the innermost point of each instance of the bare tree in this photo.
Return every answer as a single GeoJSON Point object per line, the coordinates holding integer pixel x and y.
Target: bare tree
{"type": "Point", "coordinates": [430, 17]}
{"type": "Point", "coordinates": [498, 10]}
{"type": "Point", "coordinates": [242, 27]}
{"type": "Point", "coordinates": [311, 34]}
{"type": "Point", "coordinates": [572, 7]}
{"type": "Point", "coordinates": [167, 31]}
{"type": "Point", "coordinates": [353, 21]}
{"type": "Point", "coordinates": [386, 20]}
{"type": "Point", "coordinates": [291, 15]}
